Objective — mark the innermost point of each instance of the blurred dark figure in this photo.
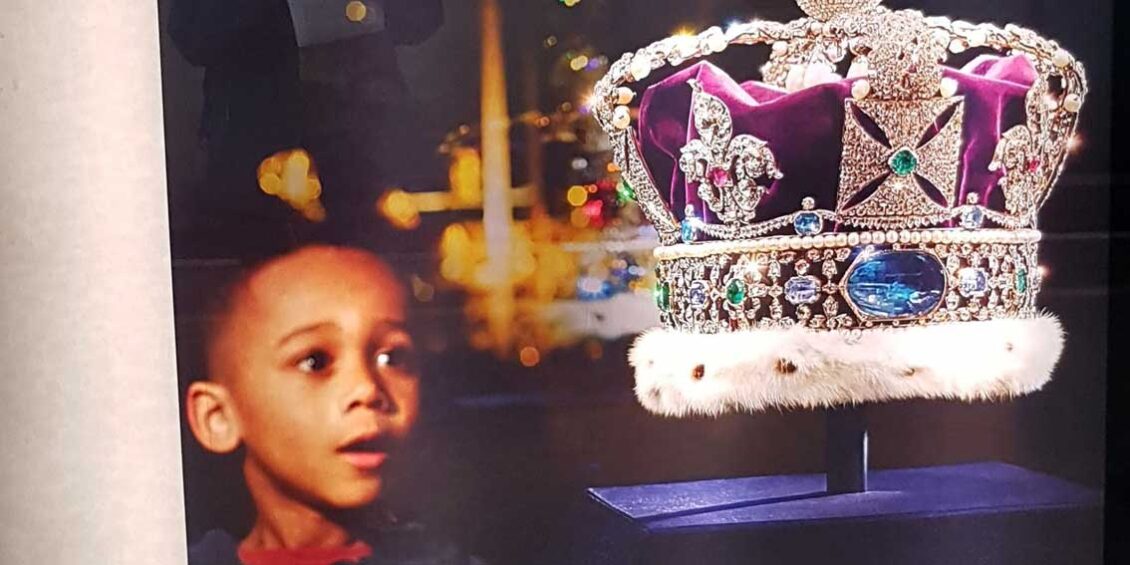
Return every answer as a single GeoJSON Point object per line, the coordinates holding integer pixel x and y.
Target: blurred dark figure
{"type": "Point", "coordinates": [285, 74]}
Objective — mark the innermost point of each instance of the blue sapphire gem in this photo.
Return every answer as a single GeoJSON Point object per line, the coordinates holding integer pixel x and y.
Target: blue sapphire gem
{"type": "Point", "coordinates": [698, 294]}
{"type": "Point", "coordinates": [808, 223]}
{"type": "Point", "coordinates": [972, 218]}
{"type": "Point", "coordinates": [687, 231]}
{"type": "Point", "coordinates": [896, 285]}
{"type": "Point", "coordinates": [972, 282]}
{"type": "Point", "coordinates": [802, 290]}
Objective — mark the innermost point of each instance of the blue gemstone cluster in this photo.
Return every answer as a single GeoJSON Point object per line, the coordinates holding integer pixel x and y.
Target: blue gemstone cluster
{"type": "Point", "coordinates": [698, 294]}
{"type": "Point", "coordinates": [896, 285]}
{"type": "Point", "coordinates": [972, 282]}
{"type": "Point", "coordinates": [686, 231]}
{"type": "Point", "coordinates": [802, 290]}
{"type": "Point", "coordinates": [808, 223]}
{"type": "Point", "coordinates": [972, 218]}
{"type": "Point", "coordinates": [687, 227]}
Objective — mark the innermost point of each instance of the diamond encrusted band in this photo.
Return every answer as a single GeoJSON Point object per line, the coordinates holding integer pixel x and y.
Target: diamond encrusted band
{"type": "Point", "coordinates": [849, 281]}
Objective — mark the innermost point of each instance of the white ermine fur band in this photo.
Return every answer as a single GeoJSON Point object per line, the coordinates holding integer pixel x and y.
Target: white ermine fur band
{"type": "Point", "coordinates": [680, 373]}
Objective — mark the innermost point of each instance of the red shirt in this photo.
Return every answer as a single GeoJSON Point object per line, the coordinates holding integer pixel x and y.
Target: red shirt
{"type": "Point", "coordinates": [352, 553]}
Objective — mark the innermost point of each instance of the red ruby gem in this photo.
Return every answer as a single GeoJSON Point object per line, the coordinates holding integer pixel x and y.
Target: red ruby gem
{"type": "Point", "coordinates": [719, 177]}
{"type": "Point", "coordinates": [1034, 165]}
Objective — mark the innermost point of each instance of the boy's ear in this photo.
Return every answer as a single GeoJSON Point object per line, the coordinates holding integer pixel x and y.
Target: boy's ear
{"type": "Point", "coordinates": [211, 415]}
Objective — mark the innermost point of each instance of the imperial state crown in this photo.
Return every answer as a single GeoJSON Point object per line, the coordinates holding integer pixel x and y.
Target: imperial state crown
{"type": "Point", "coordinates": [859, 225]}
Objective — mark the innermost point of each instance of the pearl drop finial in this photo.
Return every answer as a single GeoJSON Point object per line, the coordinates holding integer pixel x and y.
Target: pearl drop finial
{"type": "Point", "coordinates": [825, 10]}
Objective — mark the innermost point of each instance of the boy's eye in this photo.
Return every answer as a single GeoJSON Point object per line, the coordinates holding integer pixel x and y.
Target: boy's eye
{"type": "Point", "coordinates": [314, 362]}
{"type": "Point", "coordinates": [401, 359]}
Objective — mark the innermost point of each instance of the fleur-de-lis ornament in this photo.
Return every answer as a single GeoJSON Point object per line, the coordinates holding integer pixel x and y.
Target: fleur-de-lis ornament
{"type": "Point", "coordinates": [1024, 170]}
{"type": "Point", "coordinates": [726, 168]}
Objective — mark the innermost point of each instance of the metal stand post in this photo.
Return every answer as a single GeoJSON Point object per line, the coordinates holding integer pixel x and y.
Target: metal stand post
{"type": "Point", "coordinates": [846, 450]}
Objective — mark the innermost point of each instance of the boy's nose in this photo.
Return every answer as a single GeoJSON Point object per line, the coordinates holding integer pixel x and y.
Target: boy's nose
{"type": "Point", "coordinates": [369, 392]}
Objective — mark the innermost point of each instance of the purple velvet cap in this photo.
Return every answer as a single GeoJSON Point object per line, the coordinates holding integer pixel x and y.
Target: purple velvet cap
{"type": "Point", "coordinates": [804, 130]}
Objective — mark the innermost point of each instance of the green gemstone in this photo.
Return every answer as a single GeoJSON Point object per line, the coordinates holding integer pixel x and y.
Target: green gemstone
{"type": "Point", "coordinates": [1022, 281]}
{"type": "Point", "coordinates": [735, 292]}
{"type": "Point", "coordinates": [624, 192]}
{"type": "Point", "coordinates": [904, 162]}
{"type": "Point", "coordinates": [663, 296]}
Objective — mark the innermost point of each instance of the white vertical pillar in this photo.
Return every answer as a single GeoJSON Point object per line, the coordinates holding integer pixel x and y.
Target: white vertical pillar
{"type": "Point", "coordinates": [89, 443]}
{"type": "Point", "coordinates": [498, 212]}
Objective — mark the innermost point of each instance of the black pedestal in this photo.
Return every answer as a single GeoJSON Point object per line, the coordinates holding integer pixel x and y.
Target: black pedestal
{"type": "Point", "coordinates": [970, 514]}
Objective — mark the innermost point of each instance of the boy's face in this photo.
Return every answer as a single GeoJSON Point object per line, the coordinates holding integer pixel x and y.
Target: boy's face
{"type": "Point", "coordinates": [321, 375]}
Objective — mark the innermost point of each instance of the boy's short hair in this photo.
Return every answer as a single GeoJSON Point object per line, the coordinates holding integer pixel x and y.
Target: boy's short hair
{"type": "Point", "coordinates": [204, 295]}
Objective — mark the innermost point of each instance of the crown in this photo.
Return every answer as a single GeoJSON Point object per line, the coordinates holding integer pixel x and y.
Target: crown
{"type": "Point", "coordinates": [830, 239]}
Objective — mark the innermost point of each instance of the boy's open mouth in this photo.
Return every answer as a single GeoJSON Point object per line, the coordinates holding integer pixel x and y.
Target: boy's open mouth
{"type": "Point", "coordinates": [365, 453]}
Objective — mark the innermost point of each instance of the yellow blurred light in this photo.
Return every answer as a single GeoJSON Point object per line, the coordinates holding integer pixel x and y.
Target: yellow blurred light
{"type": "Point", "coordinates": [529, 356]}
{"type": "Point", "coordinates": [272, 164]}
{"type": "Point", "coordinates": [684, 31]}
{"type": "Point", "coordinates": [579, 218]}
{"type": "Point", "coordinates": [613, 168]}
{"type": "Point", "coordinates": [294, 176]}
{"type": "Point", "coordinates": [290, 176]}
{"type": "Point", "coordinates": [297, 162]}
{"type": "Point", "coordinates": [314, 211]}
{"type": "Point", "coordinates": [270, 183]}
{"type": "Point", "coordinates": [456, 240]}
{"type": "Point", "coordinates": [293, 190]}
{"type": "Point", "coordinates": [399, 209]}
{"type": "Point", "coordinates": [577, 195]}
{"type": "Point", "coordinates": [579, 62]}
{"type": "Point", "coordinates": [466, 175]}
{"type": "Point", "coordinates": [356, 10]}
{"type": "Point", "coordinates": [313, 189]}
{"type": "Point", "coordinates": [524, 266]}
{"type": "Point", "coordinates": [451, 269]}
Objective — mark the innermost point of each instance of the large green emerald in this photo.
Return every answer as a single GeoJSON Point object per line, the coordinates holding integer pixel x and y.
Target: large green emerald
{"type": "Point", "coordinates": [904, 162]}
{"type": "Point", "coordinates": [735, 292]}
{"type": "Point", "coordinates": [1022, 280]}
{"type": "Point", "coordinates": [624, 192]}
{"type": "Point", "coordinates": [663, 296]}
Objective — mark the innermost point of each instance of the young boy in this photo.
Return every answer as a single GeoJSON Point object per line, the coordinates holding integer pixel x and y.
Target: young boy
{"type": "Point", "coordinates": [311, 372]}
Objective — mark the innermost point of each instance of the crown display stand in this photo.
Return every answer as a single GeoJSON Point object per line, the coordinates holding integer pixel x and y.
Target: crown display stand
{"type": "Point", "coordinates": [846, 451]}
{"type": "Point", "coordinates": [990, 513]}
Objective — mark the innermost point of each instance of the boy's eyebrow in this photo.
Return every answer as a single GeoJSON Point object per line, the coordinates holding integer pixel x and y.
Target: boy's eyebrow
{"type": "Point", "coordinates": [305, 329]}
{"type": "Point", "coordinates": [391, 323]}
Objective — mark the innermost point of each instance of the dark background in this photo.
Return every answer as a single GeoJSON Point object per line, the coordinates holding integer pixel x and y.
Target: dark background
{"type": "Point", "coordinates": [1117, 515]}
{"type": "Point", "coordinates": [505, 452]}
